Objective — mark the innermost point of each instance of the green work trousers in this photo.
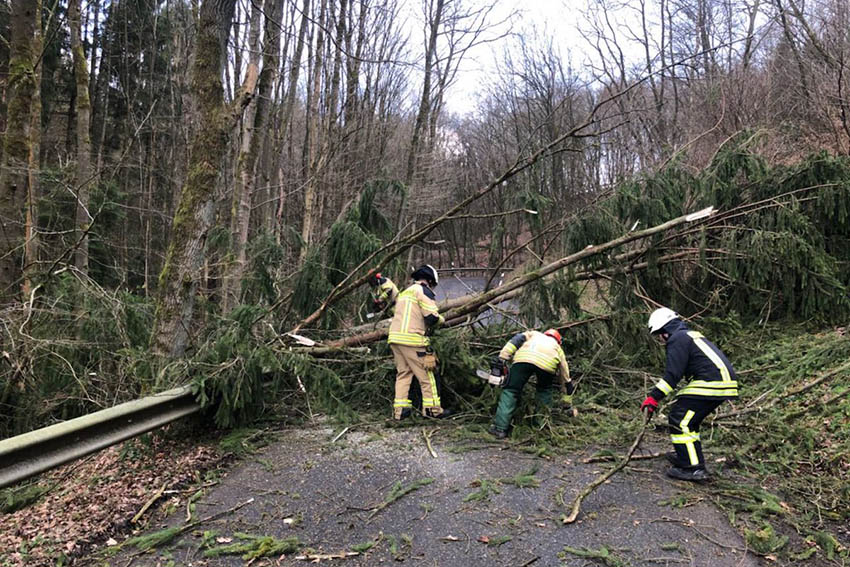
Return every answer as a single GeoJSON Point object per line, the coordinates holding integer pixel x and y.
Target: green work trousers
{"type": "Point", "coordinates": [512, 392]}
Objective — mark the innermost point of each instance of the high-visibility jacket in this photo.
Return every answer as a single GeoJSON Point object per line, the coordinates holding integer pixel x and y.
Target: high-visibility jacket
{"type": "Point", "coordinates": [541, 350]}
{"type": "Point", "coordinates": [386, 292]}
{"type": "Point", "coordinates": [693, 357]}
{"type": "Point", "coordinates": [415, 312]}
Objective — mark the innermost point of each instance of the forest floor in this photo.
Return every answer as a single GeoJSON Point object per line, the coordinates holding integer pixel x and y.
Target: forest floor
{"type": "Point", "coordinates": [377, 496]}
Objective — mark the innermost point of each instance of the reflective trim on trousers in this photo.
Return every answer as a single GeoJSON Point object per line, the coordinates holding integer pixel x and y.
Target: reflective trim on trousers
{"type": "Point", "coordinates": [687, 438]}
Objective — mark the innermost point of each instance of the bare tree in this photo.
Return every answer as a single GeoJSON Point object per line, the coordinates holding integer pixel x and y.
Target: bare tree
{"type": "Point", "coordinates": [19, 169]}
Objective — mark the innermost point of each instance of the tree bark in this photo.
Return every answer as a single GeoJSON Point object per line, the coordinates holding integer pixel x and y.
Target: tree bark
{"type": "Point", "coordinates": [83, 174]}
{"type": "Point", "coordinates": [313, 162]}
{"type": "Point", "coordinates": [240, 215]}
{"type": "Point", "coordinates": [180, 276]}
{"type": "Point", "coordinates": [19, 170]}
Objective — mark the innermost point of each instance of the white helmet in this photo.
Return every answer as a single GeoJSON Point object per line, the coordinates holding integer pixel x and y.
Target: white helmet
{"type": "Point", "coordinates": [659, 318]}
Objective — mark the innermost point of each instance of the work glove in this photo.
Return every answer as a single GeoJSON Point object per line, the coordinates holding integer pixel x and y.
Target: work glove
{"type": "Point", "coordinates": [649, 405]}
{"type": "Point", "coordinates": [378, 305]}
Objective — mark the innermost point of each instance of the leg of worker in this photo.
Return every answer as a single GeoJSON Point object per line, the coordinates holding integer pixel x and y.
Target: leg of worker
{"type": "Point", "coordinates": [512, 394]}
{"type": "Point", "coordinates": [414, 357]}
{"type": "Point", "coordinates": [685, 419]}
{"type": "Point", "coordinates": [402, 381]}
{"type": "Point", "coordinates": [543, 395]}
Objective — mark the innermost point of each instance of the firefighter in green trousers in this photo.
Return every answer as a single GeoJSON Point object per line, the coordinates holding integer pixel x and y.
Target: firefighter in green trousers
{"type": "Point", "coordinates": [384, 294]}
{"type": "Point", "coordinates": [533, 353]}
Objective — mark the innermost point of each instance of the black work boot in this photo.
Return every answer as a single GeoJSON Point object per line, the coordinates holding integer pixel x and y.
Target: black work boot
{"type": "Point", "coordinates": [405, 413]}
{"type": "Point", "coordinates": [442, 415]}
{"type": "Point", "coordinates": [497, 433]}
{"type": "Point", "coordinates": [695, 474]}
{"type": "Point", "coordinates": [673, 459]}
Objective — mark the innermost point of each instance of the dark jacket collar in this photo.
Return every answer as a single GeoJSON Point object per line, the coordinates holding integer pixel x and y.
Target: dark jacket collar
{"type": "Point", "coordinates": [673, 326]}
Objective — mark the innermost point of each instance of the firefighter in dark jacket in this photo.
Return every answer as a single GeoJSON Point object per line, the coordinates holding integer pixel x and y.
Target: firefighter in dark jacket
{"type": "Point", "coordinates": [533, 353]}
{"type": "Point", "coordinates": [384, 294]}
{"type": "Point", "coordinates": [711, 381]}
{"type": "Point", "coordinates": [416, 314]}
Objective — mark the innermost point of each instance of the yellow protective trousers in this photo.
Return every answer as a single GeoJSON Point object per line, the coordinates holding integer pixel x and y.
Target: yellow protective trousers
{"type": "Point", "coordinates": [409, 362]}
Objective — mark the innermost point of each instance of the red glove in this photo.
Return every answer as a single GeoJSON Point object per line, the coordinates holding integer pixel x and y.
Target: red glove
{"type": "Point", "coordinates": [649, 405]}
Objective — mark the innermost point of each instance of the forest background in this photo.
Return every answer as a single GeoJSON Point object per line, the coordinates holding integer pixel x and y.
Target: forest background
{"type": "Point", "coordinates": [186, 184]}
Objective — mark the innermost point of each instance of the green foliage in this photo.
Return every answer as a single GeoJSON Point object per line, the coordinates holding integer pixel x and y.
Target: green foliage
{"type": "Point", "coordinates": [780, 257]}
{"type": "Point", "coordinates": [765, 540]}
{"type": "Point", "coordinates": [603, 553]}
{"type": "Point", "coordinates": [253, 547]}
{"type": "Point", "coordinates": [358, 233]}
{"type": "Point", "coordinates": [485, 489]}
{"type": "Point", "coordinates": [228, 369]}
{"type": "Point", "coordinates": [525, 479]}
{"type": "Point", "coordinates": [18, 497]}
{"type": "Point", "coordinates": [265, 256]}
{"type": "Point", "coordinates": [82, 348]}
{"type": "Point", "coordinates": [153, 540]}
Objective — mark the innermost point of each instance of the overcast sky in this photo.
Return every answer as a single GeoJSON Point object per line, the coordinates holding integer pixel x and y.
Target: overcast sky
{"type": "Point", "coordinates": [559, 19]}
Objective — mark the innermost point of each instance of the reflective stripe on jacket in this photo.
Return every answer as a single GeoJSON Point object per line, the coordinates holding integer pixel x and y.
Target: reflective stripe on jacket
{"type": "Point", "coordinates": [387, 291]}
{"type": "Point", "coordinates": [693, 357]}
{"type": "Point", "coordinates": [541, 350]}
{"type": "Point", "coordinates": [415, 312]}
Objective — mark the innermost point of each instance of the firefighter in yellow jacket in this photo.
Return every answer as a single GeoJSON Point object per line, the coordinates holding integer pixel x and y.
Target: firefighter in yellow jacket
{"type": "Point", "coordinates": [533, 353]}
{"type": "Point", "coordinates": [415, 315]}
{"type": "Point", "coordinates": [384, 294]}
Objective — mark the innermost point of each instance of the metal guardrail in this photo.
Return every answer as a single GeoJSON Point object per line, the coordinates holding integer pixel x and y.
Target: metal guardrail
{"type": "Point", "coordinates": [26, 455]}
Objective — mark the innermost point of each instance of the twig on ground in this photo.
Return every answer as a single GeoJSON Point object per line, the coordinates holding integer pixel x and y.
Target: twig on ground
{"type": "Point", "coordinates": [576, 508]}
{"type": "Point", "coordinates": [149, 503]}
{"type": "Point", "coordinates": [427, 436]}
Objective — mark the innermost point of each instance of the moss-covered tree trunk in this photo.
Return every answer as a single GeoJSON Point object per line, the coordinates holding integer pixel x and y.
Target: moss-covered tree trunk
{"type": "Point", "coordinates": [19, 168]}
{"type": "Point", "coordinates": [179, 279]}
{"type": "Point", "coordinates": [83, 174]}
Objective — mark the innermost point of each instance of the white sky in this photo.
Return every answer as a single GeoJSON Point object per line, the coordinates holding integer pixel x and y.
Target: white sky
{"type": "Point", "coordinates": [559, 19]}
{"type": "Point", "coordinates": [556, 18]}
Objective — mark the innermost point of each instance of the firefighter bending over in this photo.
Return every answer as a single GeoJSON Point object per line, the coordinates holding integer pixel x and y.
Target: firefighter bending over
{"type": "Point", "coordinates": [384, 294]}
{"type": "Point", "coordinates": [533, 353]}
{"type": "Point", "coordinates": [415, 316]}
{"type": "Point", "coordinates": [712, 380]}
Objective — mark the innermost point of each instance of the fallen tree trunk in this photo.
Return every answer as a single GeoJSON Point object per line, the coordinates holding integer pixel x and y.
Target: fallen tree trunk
{"type": "Point", "coordinates": [461, 309]}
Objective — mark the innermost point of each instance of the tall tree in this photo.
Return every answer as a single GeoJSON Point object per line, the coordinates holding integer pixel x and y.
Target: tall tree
{"type": "Point", "coordinates": [180, 276]}
{"type": "Point", "coordinates": [83, 175]}
{"type": "Point", "coordinates": [19, 169]}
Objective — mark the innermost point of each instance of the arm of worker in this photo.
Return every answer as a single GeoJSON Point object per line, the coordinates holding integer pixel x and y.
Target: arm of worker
{"type": "Point", "coordinates": [677, 361]}
{"type": "Point", "coordinates": [566, 383]}
{"type": "Point", "coordinates": [513, 345]}
{"type": "Point", "coordinates": [429, 307]}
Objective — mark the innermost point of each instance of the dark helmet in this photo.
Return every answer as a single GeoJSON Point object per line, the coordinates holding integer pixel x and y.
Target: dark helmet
{"type": "Point", "coordinates": [428, 273]}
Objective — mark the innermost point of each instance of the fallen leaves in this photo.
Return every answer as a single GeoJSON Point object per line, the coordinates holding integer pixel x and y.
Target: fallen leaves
{"type": "Point", "coordinates": [95, 499]}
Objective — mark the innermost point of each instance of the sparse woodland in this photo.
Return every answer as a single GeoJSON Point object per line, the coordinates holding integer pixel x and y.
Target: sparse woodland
{"type": "Point", "coordinates": [184, 182]}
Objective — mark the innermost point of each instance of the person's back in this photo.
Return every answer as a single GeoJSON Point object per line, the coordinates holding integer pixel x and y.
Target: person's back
{"type": "Point", "coordinates": [409, 325]}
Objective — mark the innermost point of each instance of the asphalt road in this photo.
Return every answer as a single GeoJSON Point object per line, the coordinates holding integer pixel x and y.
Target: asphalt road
{"type": "Point", "coordinates": [326, 492]}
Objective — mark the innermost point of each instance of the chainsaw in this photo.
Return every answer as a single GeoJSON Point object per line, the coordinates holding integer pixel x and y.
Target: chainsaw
{"type": "Point", "coordinates": [492, 379]}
